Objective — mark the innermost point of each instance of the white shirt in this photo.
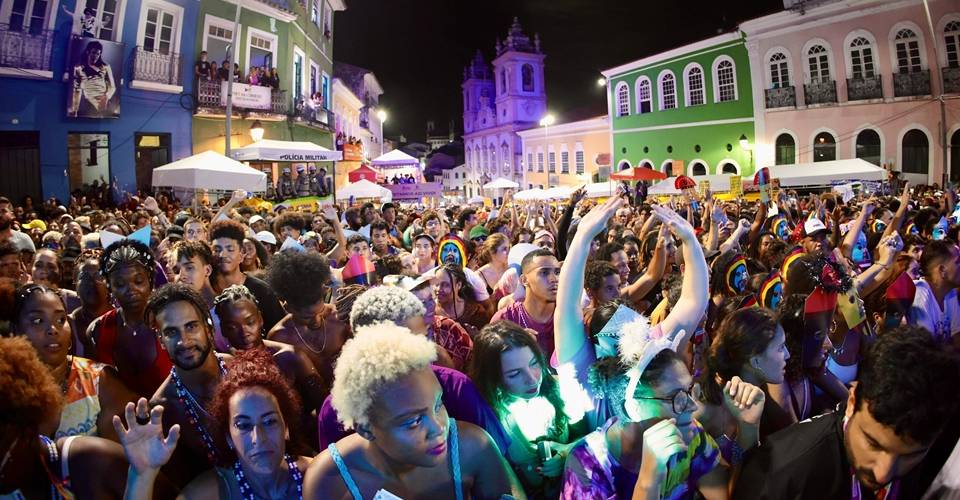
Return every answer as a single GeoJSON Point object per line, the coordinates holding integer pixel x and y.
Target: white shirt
{"type": "Point", "coordinates": [926, 312]}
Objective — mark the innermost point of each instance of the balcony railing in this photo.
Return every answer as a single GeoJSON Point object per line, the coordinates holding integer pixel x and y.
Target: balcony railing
{"type": "Point", "coordinates": [28, 49]}
{"type": "Point", "coordinates": [209, 100]}
{"type": "Point", "coordinates": [783, 97]}
{"type": "Point", "coordinates": [820, 92]}
{"type": "Point", "coordinates": [156, 67]}
{"type": "Point", "coordinates": [859, 89]}
{"type": "Point", "coordinates": [911, 84]}
{"type": "Point", "coordinates": [314, 115]}
{"type": "Point", "coordinates": [951, 80]}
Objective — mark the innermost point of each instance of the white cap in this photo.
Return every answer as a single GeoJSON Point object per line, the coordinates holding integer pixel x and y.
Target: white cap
{"type": "Point", "coordinates": [266, 237]}
{"type": "Point", "coordinates": [255, 219]}
{"type": "Point", "coordinates": [812, 226]}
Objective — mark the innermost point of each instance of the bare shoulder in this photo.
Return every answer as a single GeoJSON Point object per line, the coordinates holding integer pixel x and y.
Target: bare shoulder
{"type": "Point", "coordinates": [87, 458]}
{"type": "Point", "coordinates": [281, 332]}
{"type": "Point", "coordinates": [322, 479]}
{"type": "Point", "coordinates": [474, 440]}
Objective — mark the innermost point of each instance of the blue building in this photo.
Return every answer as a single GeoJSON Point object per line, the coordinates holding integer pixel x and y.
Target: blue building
{"type": "Point", "coordinates": [93, 91]}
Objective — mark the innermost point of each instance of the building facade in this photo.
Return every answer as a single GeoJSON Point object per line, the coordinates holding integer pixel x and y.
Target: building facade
{"type": "Point", "coordinates": [566, 154]}
{"type": "Point", "coordinates": [499, 102]}
{"type": "Point", "coordinates": [296, 38]}
{"type": "Point", "coordinates": [859, 80]}
{"type": "Point", "coordinates": [691, 104]}
{"type": "Point", "coordinates": [364, 85]}
{"type": "Point", "coordinates": [93, 92]}
{"type": "Point", "coordinates": [455, 183]}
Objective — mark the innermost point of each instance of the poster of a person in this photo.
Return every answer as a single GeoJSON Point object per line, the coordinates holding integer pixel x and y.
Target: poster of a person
{"type": "Point", "coordinates": [95, 93]}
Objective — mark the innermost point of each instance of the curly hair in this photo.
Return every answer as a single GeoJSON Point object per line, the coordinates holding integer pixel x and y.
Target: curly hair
{"type": "Point", "coordinates": [190, 249]}
{"type": "Point", "coordinates": [743, 334]}
{"type": "Point", "coordinates": [901, 382]}
{"type": "Point", "coordinates": [378, 355]}
{"type": "Point", "coordinates": [255, 368]}
{"type": "Point", "coordinates": [126, 252]}
{"type": "Point", "coordinates": [597, 271]}
{"type": "Point", "coordinates": [289, 219]}
{"type": "Point", "coordinates": [28, 393]}
{"type": "Point", "coordinates": [175, 292]}
{"type": "Point", "coordinates": [232, 294]}
{"type": "Point", "coordinates": [299, 278]}
{"type": "Point", "coordinates": [385, 303]}
{"type": "Point", "coordinates": [228, 228]}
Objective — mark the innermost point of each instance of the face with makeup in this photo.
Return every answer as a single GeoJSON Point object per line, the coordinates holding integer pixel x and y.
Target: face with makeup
{"type": "Point", "coordinates": [521, 372]}
{"type": "Point", "coordinates": [257, 430]}
{"type": "Point", "coordinates": [43, 321]}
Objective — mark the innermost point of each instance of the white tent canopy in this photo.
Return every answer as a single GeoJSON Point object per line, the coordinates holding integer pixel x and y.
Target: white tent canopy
{"type": "Point", "coordinates": [210, 170]}
{"type": "Point", "coordinates": [394, 159]}
{"type": "Point", "coordinates": [476, 200]}
{"type": "Point", "coordinates": [826, 173]}
{"type": "Point", "coordinates": [558, 193]}
{"type": "Point", "coordinates": [600, 189]}
{"type": "Point", "coordinates": [530, 194]}
{"type": "Point", "coordinates": [501, 183]}
{"type": "Point", "coordinates": [718, 184]}
{"type": "Point", "coordinates": [270, 150]}
{"type": "Point", "coordinates": [364, 189]}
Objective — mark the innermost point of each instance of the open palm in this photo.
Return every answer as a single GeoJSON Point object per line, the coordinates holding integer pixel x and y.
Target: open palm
{"type": "Point", "coordinates": [144, 444]}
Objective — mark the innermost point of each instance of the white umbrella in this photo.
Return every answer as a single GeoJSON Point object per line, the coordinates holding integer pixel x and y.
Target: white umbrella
{"type": "Point", "coordinates": [210, 170]}
{"type": "Point", "coordinates": [270, 150]}
{"type": "Point", "coordinates": [501, 183]}
{"type": "Point", "coordinates": [364, 189]}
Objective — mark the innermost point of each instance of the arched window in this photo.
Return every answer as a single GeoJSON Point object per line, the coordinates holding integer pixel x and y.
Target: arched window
{"type": "Point", "coordinates": [907, 48]}
{"type": "Point", "coordinates": [727, 168]}
{"type": "Point", "coordinates": [644, 99]}
{"type": "Point", "coordinates": [818, 61]}
{"type": "Point", "coordinates": [667, 168]}
{"type": "Point", "coordinates": [786, 150]}
{"type": "Point", "coordinates": [868, 146]}
{"type": "Point", "coordinates": [951, 39]}
{"type": "Point", "coordinates": [725, 80]}
{"type": "Point", "coordinates": [623, 99]}
{"type": "Point", "coordinates": [503, 81]}
{"type": "Point", "coordinates": [916, 152]}
{"type": "Point", "coordinates": [668, 91]}
{"type": "Point", "coordinates": [698, 168]}
{"type": "Point", "coordinates": [526, 73]}
{"type": "Point", "coordinates": [861, 58]}
{"type": "Point", "coordinates": [477, 158]}
{"type": "Point", "coordinates": [694, 87]}
{"type": "Point", "coordinates": [779, 71]}
{"type": "Point", "coordinates": [623, 165]}
{"type": "Point", "coordinates": [955, 156]}
{"type": "Point", "coordinates": [504, 158]}
{"type": "Point", "coordinates": [824, 147]}
{"type": "Point", "coordinates": [646, 164]}
{"type": "Point", "coordinates": [492, 151]}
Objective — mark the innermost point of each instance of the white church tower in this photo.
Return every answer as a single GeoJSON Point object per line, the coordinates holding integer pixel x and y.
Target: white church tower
{"type": "Point", "coordinates": [518, 68]}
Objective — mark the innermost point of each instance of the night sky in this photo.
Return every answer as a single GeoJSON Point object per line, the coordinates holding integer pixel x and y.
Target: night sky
{"type": "Point", "coordinates": [418, 48]}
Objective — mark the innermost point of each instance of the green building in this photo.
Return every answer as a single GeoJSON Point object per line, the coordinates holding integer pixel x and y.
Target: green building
{"type": "Point", "coordinates": [293, 36]}
{"type": "Point", "coordinates": [692, 104]}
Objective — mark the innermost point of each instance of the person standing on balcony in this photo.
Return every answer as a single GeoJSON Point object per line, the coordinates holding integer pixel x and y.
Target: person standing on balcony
{"type": "Point", "coordinates": [224, 72]}
{"type": "Point", "coordinates": [201, 69]}
{"type": "Point", "coordinates": [275, 79]}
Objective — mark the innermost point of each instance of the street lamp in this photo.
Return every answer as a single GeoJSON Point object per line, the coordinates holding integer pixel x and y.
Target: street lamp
{"type": "Point", "coordinates": [601, 82]}
{"type": "Point", "coordinates": [256, 131]}
{"type": "Point", "coordinates": [382, 116]}
{"type": "Point", "coordinates": [545, 122]}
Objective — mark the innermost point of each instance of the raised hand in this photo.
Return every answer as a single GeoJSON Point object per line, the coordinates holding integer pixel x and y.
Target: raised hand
{"type": "Point", "coordinates": [744, 401]}
{"type": "Point", "coordinates": [146, 448]}
{"type": "Point", "coordinates": [592, 223]}
{"type": "Point", "coordinates": [677, 224]}
{"type": "Point", "coordinates": [660, 444]}
{"type": "Point", "coordinates": [151, 206]}
{"type": "Point", "coordinates": [578, 195]}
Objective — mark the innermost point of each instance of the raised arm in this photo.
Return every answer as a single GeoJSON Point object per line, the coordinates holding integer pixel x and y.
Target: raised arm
{"type": "Point", "coordinates": [694, 293]}
{"type": "Point", "coordinates": [901, 214]}
{"type": "Point", "coordinates": [853, 232]}
{"type": "Point", "coordinates": [564, 226]}
{"type": "Point", "coordinates": [568, 314]}
{"type": "Point", "coordinates": [641, 287]}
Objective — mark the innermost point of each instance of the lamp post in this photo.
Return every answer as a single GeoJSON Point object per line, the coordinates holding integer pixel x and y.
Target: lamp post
{"type": "Point", "coordinates": [745, 144]}
{"type": "Point", "coordinates": [256, 131]}
{"type": "Point", "coordinates": [382, 116]}
{"type": "Point", "coordinates": [545, 122]}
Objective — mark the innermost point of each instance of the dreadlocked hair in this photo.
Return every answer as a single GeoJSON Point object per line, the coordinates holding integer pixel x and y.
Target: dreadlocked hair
{"type": "Point", "coordinates": [126, 252]}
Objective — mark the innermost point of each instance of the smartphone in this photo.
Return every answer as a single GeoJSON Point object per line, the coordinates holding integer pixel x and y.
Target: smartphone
{"type": "Point", "coordinates": [544, 451]}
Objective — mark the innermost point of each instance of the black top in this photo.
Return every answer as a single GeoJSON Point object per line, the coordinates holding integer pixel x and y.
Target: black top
{"type": "Point", "coordinates": [203, 68]}
{"type": "Point", "coordinates": [267, 300]}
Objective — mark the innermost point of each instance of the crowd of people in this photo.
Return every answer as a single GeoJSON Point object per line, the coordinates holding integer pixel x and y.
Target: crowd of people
{"type": "Point", "coordinates": [801, 347]}
{"type": "Point", "coordinates": [262, 76]}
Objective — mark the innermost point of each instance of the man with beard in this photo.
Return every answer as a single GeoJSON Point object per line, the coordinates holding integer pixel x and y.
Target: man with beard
{"type": "Point", "coordinates": [20, 240]}
{"type": "Point", "coordinates": [121, 336]}
{"type": "Point", "coordinates": [813, 237]}
{"type": "Point", "coordinates": [539, 275]}
{"type": "Point", "coordinates": [94, 302]}
{"type": "Point", "coordinates": [872, 446]}
{"type": "Point", "coordinates": [227, 237]}
{"type": "Point", "coordinates": [182, 323]}
{"type": "Point", "coordinates": [302, 280]}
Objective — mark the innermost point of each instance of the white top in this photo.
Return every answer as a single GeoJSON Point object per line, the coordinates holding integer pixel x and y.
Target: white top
{"type": "Point", "coordinates": [926, 312]}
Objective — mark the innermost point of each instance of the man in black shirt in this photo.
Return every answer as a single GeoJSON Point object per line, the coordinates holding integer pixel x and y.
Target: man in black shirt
{"type": "Point", "coordinates": [201, 69]}
{"type": "Point", "coordinates": [872, 446]}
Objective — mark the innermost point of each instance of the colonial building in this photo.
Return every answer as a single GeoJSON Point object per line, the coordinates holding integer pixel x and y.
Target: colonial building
{"type": "Point", "coordinates": [860, 79]}
{"type": "Point", "coordinates": [364, 85]}
{"type": "Point", "coordinates": [692, 104]}
{"type": "Point", "coordinates": [498, 102]}
{"type": "Point", "coordinates": [93, 92]}
{"type": "Point", "coordinates": [455, 183]}
{"type": "Point", "coordinates": [567, 154]}
{"type": "Point", "coordinates": [436, 139]}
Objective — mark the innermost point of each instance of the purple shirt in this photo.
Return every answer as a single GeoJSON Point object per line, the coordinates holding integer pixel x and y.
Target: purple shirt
{"type": "Point", "coordinates": [519, 315]}
{"type": "Point", "coordinates": [461, 398]}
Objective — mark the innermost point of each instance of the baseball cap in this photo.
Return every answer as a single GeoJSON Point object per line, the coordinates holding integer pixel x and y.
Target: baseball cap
{"type": "Point", "coordinates": [255, 219]}
{"type": "Point", "coordinates": [814, 226]}
{"type": "Point", "coordinates": [266, 237]}
{"type": "Point", "coordinates": [36, 224]}
{"type": "Point", "coordinates": [478, 231]}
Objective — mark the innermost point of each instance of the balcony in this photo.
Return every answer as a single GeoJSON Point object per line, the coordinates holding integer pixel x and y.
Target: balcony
{"type": "Point", "coordinates": [156, 71]}
{"type": "Point", "coordinates": [257, 102]}
{"type": "Point", "coordinates": [25, 53]}
{"type": "Point", "coordinates": [911, 84]}
{"type": "Point", "coordinates": [820, 92]}
{"type": "Point", "coordinates": [951, 80]}
{"type": "Point", "coordinates": [314, 116]}
{"type": "Point", "coordinates": [861, 89]}
{"type": "Point", "coordinates": [783, 97]}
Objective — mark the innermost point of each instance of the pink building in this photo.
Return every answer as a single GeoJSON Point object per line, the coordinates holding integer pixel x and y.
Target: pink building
{"type": "Point", "coordinates": [859, 79]}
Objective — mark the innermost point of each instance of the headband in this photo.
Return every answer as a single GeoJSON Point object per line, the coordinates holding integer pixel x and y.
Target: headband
{"type": "Point", "coordinates": [613, 329]}
{"type": "Point", "coordinates": [639, 344]}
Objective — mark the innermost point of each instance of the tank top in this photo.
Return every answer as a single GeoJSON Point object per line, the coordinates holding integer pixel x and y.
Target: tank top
{"type": "Point", "coordinates": [81, 408]}
{"type": "Point", "coordinates": [454, 465]}
{"type": "Point", "coordinates": [144, 383]}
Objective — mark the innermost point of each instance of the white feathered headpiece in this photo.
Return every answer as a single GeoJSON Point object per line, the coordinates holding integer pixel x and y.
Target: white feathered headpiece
{"type": "Point", "coordinates": [639, 344]}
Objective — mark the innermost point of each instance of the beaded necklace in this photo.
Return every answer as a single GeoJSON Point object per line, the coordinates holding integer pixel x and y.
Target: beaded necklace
{"type": "Point", "coordinates": [190, 404]}
{"type": "Point", "coordinates": [247, 491]}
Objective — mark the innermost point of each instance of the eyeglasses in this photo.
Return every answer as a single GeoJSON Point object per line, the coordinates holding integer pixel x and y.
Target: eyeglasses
{"type": "Point", "coordinates": [681, 399]}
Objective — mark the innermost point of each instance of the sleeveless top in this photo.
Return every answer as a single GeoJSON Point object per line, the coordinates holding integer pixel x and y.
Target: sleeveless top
{"type": "Point", "coordinates": [81, 408]}
{"type": "Point", "coordinates": [144, 383]}
{"type": "Point", "coordinates": [454, 466]}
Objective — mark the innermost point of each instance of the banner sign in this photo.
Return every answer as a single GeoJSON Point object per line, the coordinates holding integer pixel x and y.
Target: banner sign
{"type": "Point", "coordinates": [247, 96]}
{"type": "Point", "coordinates": [352, 152]}
{"type": "Point", "coordinates": [416, 191]}
{"type": "Point", "coordinates": [95, 68]}
{"type": "Point", "coordinates": [736, 185]}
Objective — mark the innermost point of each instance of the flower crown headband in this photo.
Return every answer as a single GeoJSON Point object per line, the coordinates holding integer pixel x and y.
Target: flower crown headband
{"type": "Point", "coordinates": [639, 344]}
